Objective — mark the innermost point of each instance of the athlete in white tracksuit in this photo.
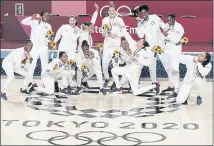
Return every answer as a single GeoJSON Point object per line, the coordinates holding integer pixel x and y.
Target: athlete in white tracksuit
{"type": "Point", "coordinates": [69, 34]}
{"type": "Point", "coordinates": [125, 58]}
{"type": "Point", "coordinates": [173, 35]}
{"type": "Point", "coordinates": [57, 70]}
{"type": "Point", "coordinates": [88, 28]}
{"type": "Point", "coordinates": [112, 40]}
{"type": "Point", "coordinates": [91, 59]}
{"type": "Point", "coordinates": [197, 69]}
{"type": "Point", "coordinates": [149, 27]}
{"type": "Point", "coordinates": [133, 71]}
{"type": "Point", "coordinates": [14, 63]}
{"type": "Point", "coordinates": [39, 28]}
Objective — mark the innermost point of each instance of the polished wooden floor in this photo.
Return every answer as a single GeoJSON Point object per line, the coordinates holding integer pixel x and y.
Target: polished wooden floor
{"type": "Point", "coordinates": [95, 119]}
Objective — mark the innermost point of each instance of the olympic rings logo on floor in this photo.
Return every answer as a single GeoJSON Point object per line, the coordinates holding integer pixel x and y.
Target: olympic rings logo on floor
{"type": "Point", "coordinates": [57, 107]}
{"type": "Point", "coordinates": [129, 138]}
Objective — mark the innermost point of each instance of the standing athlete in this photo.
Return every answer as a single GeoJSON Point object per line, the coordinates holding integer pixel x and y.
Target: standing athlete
{"type": "Point", "coordinates": [112, 39]}
{"type": "Point", "coordinates": [39, 29]}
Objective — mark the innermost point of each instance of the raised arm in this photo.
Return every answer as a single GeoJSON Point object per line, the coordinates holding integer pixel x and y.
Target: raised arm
{"type": "Point", "coordinates": [30, 20]}
{"type": "Point", "coordinates": [94, 17]}
{"type": "Point", "coordinates": [139, 30]}
{"type": "Point", "coordinates": [122, 24]}
{"type": "Point", "coordinates": [132, 43]}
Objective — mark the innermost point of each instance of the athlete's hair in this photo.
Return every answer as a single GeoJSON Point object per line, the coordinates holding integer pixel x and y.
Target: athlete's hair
{"type": "Point", "coordinates": [171, 15]}
{"type": "Point", "coordinates": [75, 17]}
{"type": "Point", "coordinates": [61, 53]}
{"type": "Point", "coordinates": [208, 57]}
{"type": "Point", "coordinates": [43, 13]}
{"type": "Point", "coordinates": [29, 42]}
{"type": "Point", "coordinates": [123, 38]}
{"type": "Point", "coordinates": [85, 44]}
{"type": "Point", "coordinates": [144, 7]}
{"type": "Point", "coordinates": [87, 23]}
{"type": "Point", "coordinates": [111, 5]}
{"type": "Point", "coordinates": [145, 44]}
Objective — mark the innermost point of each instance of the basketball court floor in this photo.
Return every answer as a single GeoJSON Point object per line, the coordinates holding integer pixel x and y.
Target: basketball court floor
{"type": "Point", "coordinates": [93, 119]}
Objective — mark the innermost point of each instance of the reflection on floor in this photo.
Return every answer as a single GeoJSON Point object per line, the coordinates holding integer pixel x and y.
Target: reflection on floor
{"type": "Point", "coordinates": [111, 119]}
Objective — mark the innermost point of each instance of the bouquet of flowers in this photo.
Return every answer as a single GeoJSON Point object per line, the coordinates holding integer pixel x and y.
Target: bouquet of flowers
{"type": "Point", "coordinates": [71, 63]}
{"type": "Point", "coordinates": [157, 49]}
{"type": "Point", "coordinates": [52, 47]}
{"type": "Point", "coordinates": [27, 59]}
{"type": "Point", "coordinates": [56, 68]}
{"type": "Point", "coordinates": [116, 55]}
{"type": "Point", "coordinates": [52, 44]}
{"type": "Point", "coordinates": [184, 40]}
{"type": "Point", "coordinates": [106, 28]}
{"type": "Point", "coordinates": [84, 70]}
{"type": "Point", "coordinates": [100, 47]}
{"type": "Point", "coordinates": [50, 34]}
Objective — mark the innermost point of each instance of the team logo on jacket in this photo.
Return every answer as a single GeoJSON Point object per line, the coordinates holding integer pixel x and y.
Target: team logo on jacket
{"type": "Point", "coordinates": [75, 32]}
{"type": "Point", "coordinates": [153, 22]}
{"type": "Point", "coordinates": [46, 27]}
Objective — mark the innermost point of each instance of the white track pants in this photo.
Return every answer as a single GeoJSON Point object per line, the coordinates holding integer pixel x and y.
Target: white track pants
{"type": "Point", "coordinates": [48, 80]}
{"type": "Point", "coordinates": [186, 88]}
{"type": "Point", "coordinates": [93, 69]}
{"type": "Point", "coordinates": [41, 52]}
{"type": "Point", "coordinates": [107, 57]}
{"type": "Point", "coordinates": [172, 69]}
{"type": "Point", "coordinates": [152, 65]}
{"type": "Point", "coordinates": [133, 73]}
{"type": "Point", "coordinates": [10, 69]}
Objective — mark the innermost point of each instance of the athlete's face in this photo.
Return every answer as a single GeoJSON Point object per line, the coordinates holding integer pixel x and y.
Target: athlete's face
{"type": "Point", "coordinates": [202, 57]}
{"type": "Point", "coordinates": [28, 47]}
{"type": "Point", "coordinates": [91, 28]}
{"type": "Point", "coordinates": [45, 17]}
{"type": "Point", "coordinates": [144, 13]}
{"type": "Point", "coordinates": [140, 43]}
{"type": "Point", "coordinates": [124, 44]}
{"type": "Point", "coordinates": [64, 58]}
{"type": "Point", "coordinates": [171, 20]}
{"type": "Point", "coordinates": [112, 12]}
{"type": "Point", "coordinates": [85, 50]}
{"type": "Point", "coordinates": [72, 21]}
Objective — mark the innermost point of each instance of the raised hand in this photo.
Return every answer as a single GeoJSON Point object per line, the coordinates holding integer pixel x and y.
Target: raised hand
{"type": "Point", "coordinates": [36, 16]}
{"type": "Point", "coordinates": [195, 59]}
{"type": "Point", "coordinates": [96, 6]}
